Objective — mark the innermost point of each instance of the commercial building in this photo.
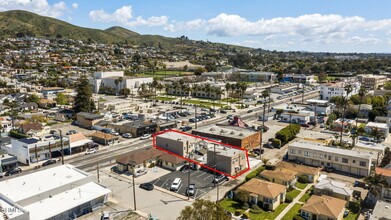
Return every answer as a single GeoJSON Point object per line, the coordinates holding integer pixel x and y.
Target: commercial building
{"type": "Point", "coordinates": [225, 159]}
{"type": "Point", "coordinates": [271, 195]}
{"type": "Point", "coordinates": [232, 135]}
{"type": "Point", "coordinates": [138, 160]}
{"type": "Point", "coordinates": [338, 189]}
{"type": "Point", "coordinates": [104, 139]}
{"type": "Point", "coordinates": [32, 150]}
{"type": "Point", "coordinates": [349, 161]}
{"type": "Point", "coordinates": [51, 91]}
{"type": "Point", "coordinates": [300, 78]}
{"type": "Point", "coordinates": [330, 90]}
{"type": "Point", "coordinates": [284, 88]}
{"type": "Point", "coordinates": [177, 143]}
{"type": "Point", "coordinates": [104, 81]}
{"type": "Point", "coordinates": [7, 162]}
{"type": "Point", "coordinates": [371, 81]}
{"type": "Point", "coordinates": [88, 120]}
{"type": "Point", "coordinates": [303, 117]}
{"type": "Point", "coordinates": [62, 192]}
{"type": "Point", "coordinates": [258, 76]}
{"type": "Point", "coordinates": [323, 208]}
{"type": "Point", "coordinates": [140, 127]}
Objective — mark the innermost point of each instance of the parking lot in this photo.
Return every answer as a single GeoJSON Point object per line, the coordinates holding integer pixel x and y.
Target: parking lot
{"type": "Point", "coordinates": [201, 178]}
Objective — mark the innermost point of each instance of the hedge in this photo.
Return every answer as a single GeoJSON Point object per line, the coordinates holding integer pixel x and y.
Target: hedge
{"type": "Point", "coordinates": [302, 179]}
{"type": "Point", "coordinates": [17, 135]}
{"type": "Point", "coordinates": [288, 133]}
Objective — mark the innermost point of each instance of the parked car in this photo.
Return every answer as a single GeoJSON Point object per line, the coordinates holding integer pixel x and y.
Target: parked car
{"type": "Point", "coordinates": [223, 112]}
{"type": "Point", "coordinates": [329, 169]}
{"type": "Point", "coordinates": [321, 125]}
{"type": "Point", "coordinates": [147, 186]}
{"type": "Point", "coordinates": [230, 117]}
{"type": "Point", "coordinates": [192, 120]}
{"type": "Point", "coordinates": [105, 215]}
{"type": "Point", "coordinates": [268, 145]}
{"type": "Point", "coordinates": [175, 184]}
{"type": "Point", "coordinates": [249, 111]}
{"type": "Point", "coordinates": [190, 190]}
{"type": "Point", "coordinates": [145, 137]}
{"type": "Point", "coordinates": [346, 213]}
{"type": "Point", "coordinates": [114, 133]}
{"type": "Point", "coordinates": [13, 171]}
{"type": "Point", "coordinates": [49, 162]}
{"type": "Point", "coordinates": [141, 172]}
{"type": "Point", "coordinates": [220, 178]}
{"type": "Point", "coordinates": [305, 125]}
{"type": "Point", "coordinates": [91, 151]}
{"type": "Point", "coordinates": [258, 151]}
{"type": "Point", "coordinates": [127, 135]}
{"type": "Point", "coordinates": [184, 168]}
{"type": "Point", "coordinates": [71, 132]}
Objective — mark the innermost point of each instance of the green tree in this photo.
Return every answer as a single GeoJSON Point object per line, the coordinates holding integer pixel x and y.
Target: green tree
{"type": "Point", "coordinates": [376, 182]}
{"type": "Point", "coordinates": [33, 98]}
{"type": "Point", "coordinates": [348, 90]}
{"type": "Point", "coordinates": [203, 209]}
{"type": "Point", "coordinates": [83, 100]}
{"type": "Point", "coordinates": [387, 86]}
{"type": "Point", "coordinates": [61, 99]}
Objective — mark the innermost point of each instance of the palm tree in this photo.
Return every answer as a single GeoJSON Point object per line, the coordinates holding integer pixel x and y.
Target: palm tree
{"type": "Point", "coordinates": [195, 88]}
{"type": "Point", "coordinates": [243, 89]}
{"type": "Point", "coordinates": [348, 90]}
{"type": "Point", "coordinates": [265, 94]}
{"type": "Point", "coordinates": [227, 88]}
{"type": "Point", "coordinates": [154, 85]}
{"type": "Point", "coordinates": [181, 87]}
{"type": "Point", "coordinates": [361, 94]}
{"type": "Point", "coordinates": [120, 79]}
{"type": "Point", "coordinates": [160, 87]}
{"type": "Point", "coordinates": [376, 182]}
{"type": "Point", "coordinates": [233, 88]}
{"type": "Point", "coordinates": [116, 81]}
{"type": "Point", "coordinates": [376, 134]}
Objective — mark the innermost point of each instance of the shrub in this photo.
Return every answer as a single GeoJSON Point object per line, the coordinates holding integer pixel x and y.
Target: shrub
{"type": "Point", "coordinates": [270, 167]}
{"type": "Point", "coordinates": [302, 179]}
{"type": "Point", "coordinates": [17, 135]}
{"type": "Point", "coordinates": [151, 165]}
{"type": "Point", "coordinates": [288, 133]}
{"type": "Point", "coordinates": [237, 213]}
{"type": "Point", "coordinates": [245, 216]}
{"type": "Point", "coordinates": [245, 206]}
{"type": "Point", "coordinates": [288, 199]}
{"type": "Point", "coordinates": [255, 206]}
{"type": "Point", "coordinates": [276, 143]}
{"type": "Point", "coordinates": [242, 196]}
{"type": "Point", "coordinates": [298, 217]}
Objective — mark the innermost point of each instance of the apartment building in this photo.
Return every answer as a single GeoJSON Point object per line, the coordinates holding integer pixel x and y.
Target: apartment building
{"type": "Point", "coordinates": [177, 143]}
{"type": "Point", "coordinates": [371, 81]}
{"type": "Point", "coordinates": [104, 80]}
{"type": "Point", "coordinates": [349, 161]}
{"type": "Point", "coordinates": [330, 90]}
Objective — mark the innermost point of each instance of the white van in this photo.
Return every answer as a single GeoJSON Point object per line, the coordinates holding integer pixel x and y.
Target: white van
{"type": "Point", "coordinates": [175, 185]}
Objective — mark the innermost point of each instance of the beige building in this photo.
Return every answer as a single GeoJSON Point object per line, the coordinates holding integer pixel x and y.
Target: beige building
{"type": "Point", "coordinates": [225, 159]}
{"type": "Point", "coordinates": [371, 81]}
{"type": "Point", "coordinates": [311, 172]}
{"type": "Point", "coordinates": [281, 176]}
{"type": "Point", "coordinates": [137, 160]}
{"type": "Point", "coordinates": [87, 120]}
{"type": "Point", "coordinates": [177, 143]}
{"type": "Point", "coordinates": [323, 208]}
{"type": "Point", "coordinates": [348, 161]}
{"type": "Point", "coordinates": [270, 194]}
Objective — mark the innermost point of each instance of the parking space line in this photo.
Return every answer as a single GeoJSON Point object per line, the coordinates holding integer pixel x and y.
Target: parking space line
{"type": "Point", "coordinates": [156, 181]}
{"type": "Point", "coordinates": [201, 174]}
{"type": "Point", "coordinates": [196, 172]}
{"type": "Point", "coordinates": [179, 188]}
{"type": "Point", "coordinates": [164, 183]}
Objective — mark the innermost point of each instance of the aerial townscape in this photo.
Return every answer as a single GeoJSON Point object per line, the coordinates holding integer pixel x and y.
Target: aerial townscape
{"type": "Point", "coordinates": [111, 124]}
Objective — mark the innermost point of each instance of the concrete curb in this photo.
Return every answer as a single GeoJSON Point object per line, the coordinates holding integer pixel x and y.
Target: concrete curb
{"type": "Point", "coordinates": [173, 193]}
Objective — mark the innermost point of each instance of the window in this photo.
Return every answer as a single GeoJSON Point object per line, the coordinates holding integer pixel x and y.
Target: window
{"type": "Point", "coordinates": [306, 153]}
{"type": "Point", "coordinates": [329, 157]}
{"type": "Point", "coordinates": [314, 155]}
{"type": "Point", "coordinates": [321, 156]}
{"type": "Point", "coordinates": [336, 158]}
{"type": "Point", "coordinates": [299, 151]}
{"type": "Point", "coordinates": [292, 151]}
{"type": "Point", "coordinates": [354, 161]}
{"type": "Point", "coordinates": [345, 160]}
{"type": "Point", "coordinates": [363, 163]}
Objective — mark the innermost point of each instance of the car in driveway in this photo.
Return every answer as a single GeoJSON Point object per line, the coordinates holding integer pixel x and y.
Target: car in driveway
{"type": "Point", "coordinates": [220, 178]}
{"type": "Point", "coordinates": [127, 135]}
{"type": "Point", "coordinates": [147, 186]}
{"type": "Point", "coordinates": [49, 162]}
{"type": "Point", "coordinates": [91, 151]}
{"type": "Point", "coordinates": [175, 184]}
{"type": "Point", "coordinates": [13, 171]}
{"type": "Point", "coordinates": [258, 151]}
{"type": "Point", "coordinates": [190, 191]}
{"type": "Point", "coordinates": [105, 215]}
{"type": "Point", "coordinates": [141, 172]}
{"type": "Point", "coordinates": [145, 137]}
{"type": "Point", "coordinates": [249, 111]}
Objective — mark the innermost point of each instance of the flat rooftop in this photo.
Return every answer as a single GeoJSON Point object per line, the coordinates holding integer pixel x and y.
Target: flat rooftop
{"type": "Point", "coordinates": [318, 147]}
{"type": "Point", "coordinates": [227, 131]}
{"type": "Point", "coordinates": [178, 136]}
{"type": "Point", "coordinates": [11, 209]}
{"type": "Point", "coordinates": [224, 151]}
{"type": "Point", "coordinates": [65, 201]}
{"type": "Point", "coordinates": [26, 186]}
{"type": "Point", "coordinates": [381, 211]}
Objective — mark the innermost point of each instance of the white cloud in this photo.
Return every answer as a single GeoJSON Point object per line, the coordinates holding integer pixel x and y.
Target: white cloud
{"type": "Point", "coordinates": [42, 7]}
{"type": "Point", "coordinates": [75, 5]}
{"type": "Point", "coordinates": [357, 40]}
{"type": "Point", "coordinates": [121, 15]}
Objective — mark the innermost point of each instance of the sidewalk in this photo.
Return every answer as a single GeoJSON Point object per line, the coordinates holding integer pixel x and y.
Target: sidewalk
{"type": "Point", "coordinates": [296, 200]}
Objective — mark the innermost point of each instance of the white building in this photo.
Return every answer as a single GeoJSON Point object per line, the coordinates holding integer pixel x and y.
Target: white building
{"type": "Point", "coordinates": [381, 127]}
{"type": "Point", "coordinates": [330, 90]}
{"type": "Point", "coordinates": [62, 192]}
{"type": "Point", "coordinates": [107, 80]}
{"type": "Point", "coordinates": [303, 117]}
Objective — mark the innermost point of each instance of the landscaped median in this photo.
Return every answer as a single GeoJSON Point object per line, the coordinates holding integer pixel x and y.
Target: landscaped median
{"type": "Point", "coordinates": [203, 103]}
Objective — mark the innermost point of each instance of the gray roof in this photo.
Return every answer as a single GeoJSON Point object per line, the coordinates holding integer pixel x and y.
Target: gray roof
{"type": "Point", "coordinates": [337, 187]}
{"type": "Point", "coordinates": [227, 131]}
{"type": "Point", "coordinates": [318, 147]}
{"type": "Point", "coordinates": [90, 116]}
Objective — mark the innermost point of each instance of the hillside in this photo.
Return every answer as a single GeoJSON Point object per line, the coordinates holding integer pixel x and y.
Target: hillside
{"type": "Point", "coordinates": [122, 32]}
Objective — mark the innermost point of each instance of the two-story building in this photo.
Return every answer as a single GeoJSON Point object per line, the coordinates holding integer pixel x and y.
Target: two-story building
{"type": "Point", "coordinates": [88, 120]}
{"type": "Point", "coordinates": [226, 159]}
{"type": "Point", "coordinates": [339, 190]}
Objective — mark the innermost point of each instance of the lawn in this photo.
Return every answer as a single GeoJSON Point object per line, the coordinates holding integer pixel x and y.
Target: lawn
{"type": "Point", "coordinates": [164, 98]}
{"type": "Point", "coordinates": [230, 205]}
{"type": "Point", "coordinates": [354, 210]}
{"type": "Point", "coordinates": [306, 196]}
{"type": "Point", "coordinates": [293, 193]}
{"type": "Point", "coordinates": [351, 216]}
{"type": "Point", "coordinates": [301, 185]}
{"type": "Point", "coordinates": [231, 100]}
{"type": "Point", "coordinates": [203, 103]}
{"type": "Point", "coordinates": [167, 73]}
{"type": "Point", "coordinates": [269, 215]}
{"type": "Point", "coordinates": [292, 212]}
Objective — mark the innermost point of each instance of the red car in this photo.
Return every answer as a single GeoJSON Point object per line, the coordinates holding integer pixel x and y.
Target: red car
{"type": "Point", "coordinates": [305, 125]}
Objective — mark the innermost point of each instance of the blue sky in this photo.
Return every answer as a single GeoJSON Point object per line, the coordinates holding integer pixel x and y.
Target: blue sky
{"type": "Point", "coordinates": [286, 25]}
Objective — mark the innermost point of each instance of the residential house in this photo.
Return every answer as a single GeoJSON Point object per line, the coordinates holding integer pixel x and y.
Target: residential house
{"type": "Point", "coordinates": [333, 188]}
{"type": "Point", "coordinates": [342, 123]}
{"type": "Point", "coordinates": [281, 176]}
{"type": "Point", "coordinates": [297, 118]}
{"type": "Point", "coordinates": [268, 116]}
{"type": "Point", "coordinates": [51, 91]}
{"type": "Point", "coordinates": [6, 124]}
{"type": "Point", "coordinates": [364, 110]}
{"type": "Point", "coordinates": [383, 120]}
{"type": "Point", "coordinates": [138, 160]}
{"type": "Point", "coordinates": [104, 139]}
{"type": "Point", "coordinates": [323, 208]}
{"type": "Point", "coordinates": [29, 107]}
{"type": "Point", "coordinates": [312, 173]}
{"type": "Point", "coordinates": [381, 127]}
{"type": "Point", "coordinates": [7, 161]}
{"type": "Point", "coordinates": [46, 103]}
{"type": "Point", "coordinates": [170, 161]}
{"type": "Point", "coordinates": [88, 120]}
{"type": "Point", "coordinates": [385, 191]}
{"type": "Point", "coordinates": [232, 135]}
{"type": "Point", "coordinates": [269, 194]}
{"type": "Point", "coordinates": [348, 161]}
{"type": "Point", "coordinates": [34, 129]}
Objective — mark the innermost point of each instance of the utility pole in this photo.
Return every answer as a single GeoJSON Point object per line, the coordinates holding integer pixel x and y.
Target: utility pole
{"type": "Point", "coordinates": [36, 154]}
{"type": "Point", "coordinates": [134, 189]}
{"type": "Point", "coordinates": [188, 177]}
{"type": "Point", "coordinates": [62, 148]}
{"type": "Point", "coordinates": [195, 118]}
{"type": "Point", "coordinates": [97, 171]}
{"type": "Point", "coordinates": [316, 119]}
{"type": "Point", "coordinates": [302, 95]}
{"type": "Point", "coordinates": [50, 150]}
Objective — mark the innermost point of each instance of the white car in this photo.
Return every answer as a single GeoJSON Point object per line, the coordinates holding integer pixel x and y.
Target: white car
{"type": "Point", "coordinates": [175, 184]}
{"type": "Point", "coordinates": [127, 135]}
{"type": "Point", "coordinates": [90, 151]}
{"type": "Point", "coordinates": [145, 137]}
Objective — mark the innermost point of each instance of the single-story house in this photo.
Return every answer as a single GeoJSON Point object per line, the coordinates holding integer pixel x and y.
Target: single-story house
{"type": "Point", "coordinates": [104, 139]}
{"type": "Point", "coordinates": [386, 173]}
{"type": "Point", "coordinates": [311, 172]}
{"type": "Point", "coordinates": [34, 129]}
{"type": "Point", "coordinates": [381, 127]}
{"type": "Point", "coordinates": [30, 106]}
{"type": "Point", "coordinates": [333, 188]}
{"type": "Point", "coordinates": [47, 103]}
{"type": "Point", "coordinates": [383, 119]}
{"type": "Point", "coordinates": [271, 195]}
{"type": "Point", "coordinates": [170, 162]}
{"type": "Point", "coordinates": [281, 176]}
{"type": "Point", "coordinates": [323, 208]}
{"type": "Point", "coordinates": [342, 123]}
{"type": "Point", "coordinates": [138, 159]}
{"type": "Point", "coordinates": [364, 110]}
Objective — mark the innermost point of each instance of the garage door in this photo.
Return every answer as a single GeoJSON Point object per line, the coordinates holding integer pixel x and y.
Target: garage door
{"type": "Point", "coordinates": [345, 169]}
{"type": "Point", "coordinates": [307, 161]}
{"type": "Point", "coordinates": [354, 171]}
{"type": "Point", "coordinates": [315, 163]}
{"type": "Point", "coordinates": [363, 172]}
{"type": "Point", "coordinates": [337, 167]}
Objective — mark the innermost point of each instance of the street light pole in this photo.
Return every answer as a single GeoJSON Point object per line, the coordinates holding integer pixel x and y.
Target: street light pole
{"type": "Point", "coordinates": [188, 177]}
{"type": "Point", "coordinates": [62, 148]}
{"type": "Point", "coordinates": [134, 189]}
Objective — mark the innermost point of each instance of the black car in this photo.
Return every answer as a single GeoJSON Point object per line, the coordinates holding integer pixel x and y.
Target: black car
{"type": "Point", "coordinates": [257, 151]}
{"type": "Point", "coordinates": [249, 111]}
{"type": "Point", "coordinates": [13, 171]}
{"type": "Point", "coordinates": [186, 128]}
{"type": "Point", "coordinates": [49, 162]}
{"type": "Point", "coordinates": [147, 186]}
{"type": "Point", "coordinates": [220, 178]}
{"type": "Point", "coordinates": [223, 112]}
{"type": "Point", "coordinates": [268, 145]}
{"type": "Point", "coordinates": [184, 168]}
